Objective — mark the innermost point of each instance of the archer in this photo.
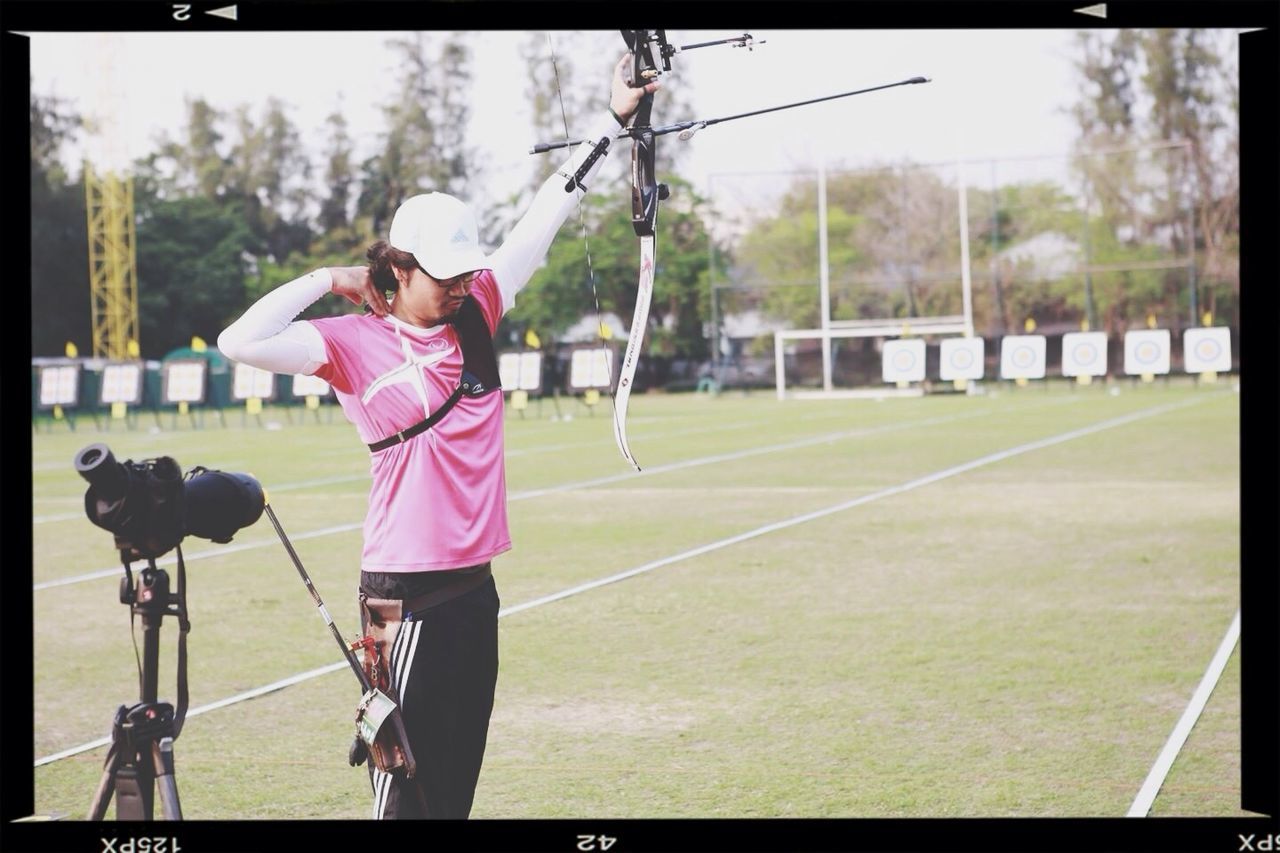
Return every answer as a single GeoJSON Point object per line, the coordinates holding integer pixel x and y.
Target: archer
{"type": "Point", "coordinates": [418, 377]}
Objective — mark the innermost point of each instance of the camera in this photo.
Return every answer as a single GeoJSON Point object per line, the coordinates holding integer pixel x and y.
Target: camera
{"type": "Point", "coordinates": [150, 506]}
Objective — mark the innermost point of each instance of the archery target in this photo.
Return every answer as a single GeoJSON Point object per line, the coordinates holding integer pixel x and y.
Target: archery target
{"type": "Point", "coordinates": [251, 382]}
{"type": "Point", "coordinates": [520, 371]}
{"type": "Point", "coordinates": [903, 361]}
{"type": "Point", "coordinates": [962, 358]}
{"type": "Point", "coordinates": [121, 383]}
{"type": "Point", "coordinates": [1146, 351]}
{"type": "Point", "coordinates": [184, 381]}
{"type": "Point", "coordinates": [60, 385]}
{"type": "Point", "coordinates": [591, 368]}
{"type": "Point", "coordinates": [1022, 357]}
{"type": "Point", "coordinates": [1205, 350]}
{"type": "Point", "coordinates": [1084, 354]}
{"type": "Point", "coordinates": [306, 385]}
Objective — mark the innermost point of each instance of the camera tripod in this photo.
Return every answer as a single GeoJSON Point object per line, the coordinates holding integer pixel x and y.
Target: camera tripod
{"type": "Point", "coordinates": [142, 735]}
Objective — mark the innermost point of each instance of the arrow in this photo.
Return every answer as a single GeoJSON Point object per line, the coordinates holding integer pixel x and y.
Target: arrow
{"type": "Point", "coordinates": [687, 129]}
{"type": "Point", "coordinates": [228, 12]}
{"type": "Point", "coordinates": [1098, 11]}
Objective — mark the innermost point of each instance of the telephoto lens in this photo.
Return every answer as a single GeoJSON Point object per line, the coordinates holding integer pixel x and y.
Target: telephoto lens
{"type": "Point", "coordinates": [219, 503]}
{"type": "Point", "coordinates": [99, 467]}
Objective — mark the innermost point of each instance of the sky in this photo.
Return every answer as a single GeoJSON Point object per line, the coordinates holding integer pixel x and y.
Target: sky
{"type": "Point", "coordinates": [1002, 94]}
{"type": "Point", "coordinates": [993, 93]}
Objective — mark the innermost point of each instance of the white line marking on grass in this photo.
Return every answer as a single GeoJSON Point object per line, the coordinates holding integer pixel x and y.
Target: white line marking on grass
{"type": "Point", "coordinates": [826, 438]}
{"type": "Point", "coordinates": [1147, 794]}
{"type": "Point", "coordinates": [723, 543]}
{"type": "Point", "coordinates": [199, 555]}
{"type": "Point", "coordinates": [534, 493]}
{"type": "Point", "coordinates": [204, 709]}
{"type": "Point", "coordinates": [352, 478]}
{"type": "Point", "coordinates": [322, 481]}
{"type": "Point", "coordinates": [841, 507]}
{"type": "Point", "coordinates": [66, 516]}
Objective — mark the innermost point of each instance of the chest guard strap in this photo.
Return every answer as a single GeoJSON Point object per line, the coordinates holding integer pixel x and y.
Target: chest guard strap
{"type": "Point", "coordinates": [479, 371]}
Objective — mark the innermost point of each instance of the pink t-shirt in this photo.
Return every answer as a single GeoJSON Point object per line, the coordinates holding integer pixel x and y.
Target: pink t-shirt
{"type": "Point", "coordinates": [438, 500]}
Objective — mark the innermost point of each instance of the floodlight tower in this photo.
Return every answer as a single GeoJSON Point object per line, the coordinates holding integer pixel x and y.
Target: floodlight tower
{"type": "Point", "coordinates": [109, 207]}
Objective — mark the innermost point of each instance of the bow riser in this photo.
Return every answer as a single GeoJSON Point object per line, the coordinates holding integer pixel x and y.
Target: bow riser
{"type": "Point", "coordinates": [646, 192]}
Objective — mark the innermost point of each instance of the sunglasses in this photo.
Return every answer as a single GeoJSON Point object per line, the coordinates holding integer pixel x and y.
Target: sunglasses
{"type": "Point", "coordinates": [465, 279]}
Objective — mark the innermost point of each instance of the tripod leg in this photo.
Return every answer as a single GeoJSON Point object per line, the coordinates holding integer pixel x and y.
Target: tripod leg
{"type": "Point", "coordinates": [135, 796]}
{"type": "Point", "coordinates": [107, 785]}
{"type": "Point", "coordinates": [162, 753]}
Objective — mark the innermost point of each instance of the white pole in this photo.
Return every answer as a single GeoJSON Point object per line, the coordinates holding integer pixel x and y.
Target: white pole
{"type": "Point", "coordinates": [824, 273]}
{"type": "Point", "coordinates": [779, 374]}
{"type": "Point", "coordinates": [965, 284]}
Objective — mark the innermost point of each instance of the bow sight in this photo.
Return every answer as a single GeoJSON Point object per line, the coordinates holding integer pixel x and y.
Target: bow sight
{"type": "Point", "coordinates": [649, 49]}
{"type": "Point", "coordinates": [642, 43]}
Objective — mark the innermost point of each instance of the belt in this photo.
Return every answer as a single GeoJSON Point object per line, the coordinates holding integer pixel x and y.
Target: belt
{"type": "Point", "coordinates": [420, 427]}
{"type": "Point", "coordinates": [464, 584]}
{"type": "Point", "coordinates": [395, 609]}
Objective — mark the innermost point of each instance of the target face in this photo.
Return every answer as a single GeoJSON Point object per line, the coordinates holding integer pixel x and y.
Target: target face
{"type": "Point", "coordinates": [1084, 354]}
{"type": "Point", "coordinates": [1022, 357]}
{"type": "Point", "coordinates": [962, 358]}
{"type": "Point", "coordinates": [1146, 351]}
{"type": "Point", "coordinates": [508, 369]}
{"type": "Point", "coordinates": [251, 382]}
{"type": "Point", "coordinates": [903, 361]}
{"type": "Point", "coordinates": [184, 381]}
{"type": "Point", "coordinates": [60, 385]}
{"type": "Point", "coordinates": [305, 385]}
{"type": "Point", "coordinates": [1205, 350]}
{"type": "Point", "coordinates": [121, 383]}
{"type": "Point", "coordinates": [591, 368]}
{"type": "Point", "coordinates": [520, 371]}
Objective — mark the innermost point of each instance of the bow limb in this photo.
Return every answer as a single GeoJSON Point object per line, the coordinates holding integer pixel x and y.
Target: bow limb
{"type": "Point", "coordinates": [627, 374]}
{"type": "Point", "coordinates": [646, 192]}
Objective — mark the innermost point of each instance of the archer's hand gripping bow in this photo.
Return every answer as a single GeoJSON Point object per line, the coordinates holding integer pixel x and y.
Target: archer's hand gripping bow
{"type": "Point", "coordinates": [651, 56]}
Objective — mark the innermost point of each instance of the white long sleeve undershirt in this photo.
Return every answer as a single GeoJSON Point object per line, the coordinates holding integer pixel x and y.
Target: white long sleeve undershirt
{"type": "Point", "coordinates": [266, 335]}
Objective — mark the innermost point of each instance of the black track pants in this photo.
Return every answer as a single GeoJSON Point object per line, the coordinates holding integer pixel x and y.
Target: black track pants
{"type": "Point", "coordinates": [444, 665]}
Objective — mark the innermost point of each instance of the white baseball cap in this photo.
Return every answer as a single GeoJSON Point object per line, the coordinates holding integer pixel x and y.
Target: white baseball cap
{"type": "Point", "coordinates": [440, 231]}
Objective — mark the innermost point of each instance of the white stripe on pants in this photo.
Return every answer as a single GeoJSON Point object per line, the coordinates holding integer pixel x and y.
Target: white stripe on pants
{"type": "Point", "coordinates": [400, 663]}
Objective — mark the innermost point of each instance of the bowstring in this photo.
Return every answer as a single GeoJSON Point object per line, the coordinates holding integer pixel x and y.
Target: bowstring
{"type": "Point", "coordinates": [578, 193]}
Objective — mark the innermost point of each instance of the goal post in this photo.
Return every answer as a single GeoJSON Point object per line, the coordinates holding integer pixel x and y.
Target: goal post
{"type": "Point", "coordinates": [847, 329]}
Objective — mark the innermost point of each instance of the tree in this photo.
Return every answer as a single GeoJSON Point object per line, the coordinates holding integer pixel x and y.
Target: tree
{"type": "Point", "coordinates": [339, 177]}
{"type": "Point", "coordinates": [560, 293]}
{"type": "Point", "coordinates": [422, 149]}
{"type": "Point", "coordinates": [1188, 83]}
{"type": "Point", "coordinates": [60, 296]}
{"type": "Point", "coordinates": [543, 76]}
{"type": "Point", "coordinates": [1168, 86]}
{"type": "Point", "coordinates": [192, 263]}
{"type": "Point", "coordinates": [453, 161]}
{"type": "Point", "coordinates": [268, 181]}
{"type": "Point", "coordinates": [892, 247]}
{"type": "Point", "coordinates": [201, 168]}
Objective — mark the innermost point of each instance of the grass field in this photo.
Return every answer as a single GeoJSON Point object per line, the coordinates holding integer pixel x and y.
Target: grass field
{"type": "Point", "coordinates": [895, 631]}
